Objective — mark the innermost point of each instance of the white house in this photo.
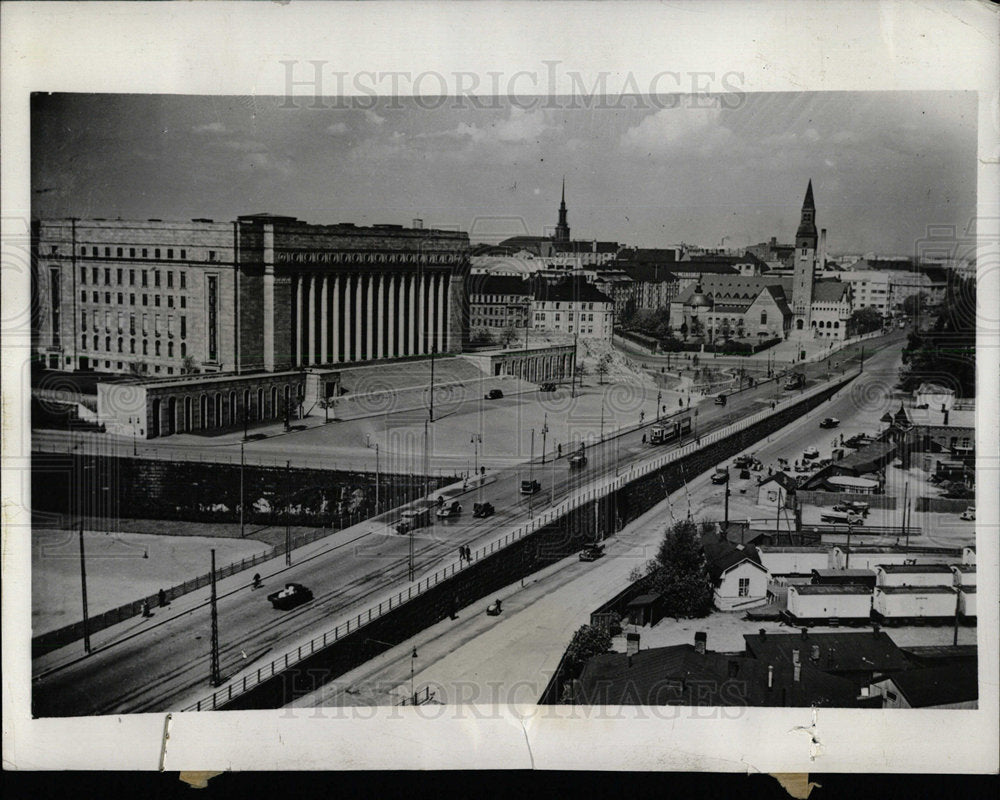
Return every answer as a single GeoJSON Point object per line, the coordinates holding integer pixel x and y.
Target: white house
{"type": "Point", "coordinates": [794, 560]}
{"type": "Point", "coordinates": [773, 491]}
{"type": "Point", "coordinates": [740, 581]}
{"type": "Point", "coordinates": [934, 396]}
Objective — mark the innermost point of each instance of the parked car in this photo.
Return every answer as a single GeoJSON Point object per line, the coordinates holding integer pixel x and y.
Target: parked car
{"type": "Point", "coordinates": [721, 475]}
{"type": "Point", "coordinates": [841, 518]}
{"type": "Point", "coordinates": [577, 460]}
{"type": "Point", "coordinates": [743, 461]}
{"type": "Point", "coordinates": [413, 518]}
{"type": "Point", "coordinates": [530, 487]}
{"type": "Point", "coordinates": [494, 394]}
{"type": "Point", "coordinates": [294, 594]}
{"type": "Point", "coordinates": [857, 506]}
{"type": "Point", "coordinates": [829, 422]}
{"type": "Point", "coordinates": [592, 552]}
{"type": "Point", "coordinates": [483, 509]}
{"type": "Point", "coordinates": [969, 514]}
{"type": "Point", "coordinates": [452, 509]}
{"type": "Point", "coordinates": [547, 387]}
{"type": "Point", "coordinates": [810, 452]}
{"type": "Point", "coordinates": [720, 400]}
{"type": "Point", "coordinates": [794, 381]}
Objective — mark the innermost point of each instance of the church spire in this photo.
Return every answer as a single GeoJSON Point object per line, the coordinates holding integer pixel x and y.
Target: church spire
{"type": "Point", "coordinates": [562, 229]}
{"type": "Point", "coordinates": [807, 223]}
{"type": "Point", "coordinates": [808, 202]}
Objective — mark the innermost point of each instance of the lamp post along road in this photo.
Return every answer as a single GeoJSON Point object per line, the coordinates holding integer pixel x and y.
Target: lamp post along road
{"type": "Point", "coordinates": [83, 594]}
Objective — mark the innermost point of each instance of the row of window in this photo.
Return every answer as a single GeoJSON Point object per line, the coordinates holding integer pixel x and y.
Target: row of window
{"type": "Point", "coordinates": [157, 346]}
{"type": "Point", "coordinates": [558, 304]}
{"type": "Point", "coordinates": [131, 323]}
{"type": "Point", "coordinates": [828, 325]}
{"type": "Point", "coordinates": [120, 298]}
{"type": "Point", "coordinates": [119, 274]}
{"type": "Point", "coordinates": [540, 317]}
{"type": "Point", "coordinates": [134, 252]}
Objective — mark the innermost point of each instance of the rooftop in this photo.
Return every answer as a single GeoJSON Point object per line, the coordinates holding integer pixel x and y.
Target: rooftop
{"type": "Point", "coordinates": [838, 652]}
{"type": "Point", "coordinates": [916, 589]}
{"type": "Point", "coordinates": [832, 588]}
{"type": "Point", "coordinates": [914, 569]}
{"type": "Point", "coordinates": [936, 686]}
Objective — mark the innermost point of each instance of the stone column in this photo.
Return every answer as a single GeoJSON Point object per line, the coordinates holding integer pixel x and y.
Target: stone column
{"type": "Point", "coordinates": [369, 316]}
{"type": "Point", "coordinates": [336, 319]}
{"type": "Point", "coordinates": [298, 320]}
{"type": "Point", "coordinates": [348, 316]}
{"type": "Point", "coordinates": [442, 312]}
{"type": "Point", "coordinates": [311, 319]}
{"type": "Point", "coordinates": [447, 294]}
{"type": "Point", "coordinates": [411, 345]}
{"type": "Point", "coordinates": [393, 347]}
{"type": "Point", "coordinates": [380, 317]}
{"type": "Point", "coordinates": [421, 314]}
{"type": "Point", "coordinates": [359, 313]}
{"type": "Point", "coordinates": [324, 313]}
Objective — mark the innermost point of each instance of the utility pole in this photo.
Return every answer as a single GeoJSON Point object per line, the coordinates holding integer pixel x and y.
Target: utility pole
{"type": "Point", "coordinates": [83, 594]}
{"type": "Point", "coordinates": [727, 507]}
{"type": "Point", "coordinates": [433, 350]}
{"type": "Point", "coordinates": [906, 504]}
{"type": "Point", "coordinates": [288, 514]}
{"type": "Point", "coordinates": [572, 385]}
{"type": "Point", "coordinates": [602, 419]}
{"type": "Point", "coordinates": [545, 430]}
{"type": "Point", "coordinates": [659, 398]}
{"type": "Point", "coordinates": [242, 464]}
{"type": "Point", "coordinates": [847, 551]}
{"type": "Point", "coordinates": [216, 675]}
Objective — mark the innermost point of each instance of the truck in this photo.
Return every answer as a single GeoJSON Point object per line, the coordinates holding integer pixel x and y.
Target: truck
{"type": "Point", "coordinates": [413, 518]}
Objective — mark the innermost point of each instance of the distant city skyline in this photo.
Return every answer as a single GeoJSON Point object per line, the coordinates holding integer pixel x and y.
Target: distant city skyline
{"type": "Point", "coordinates": [884, 166]}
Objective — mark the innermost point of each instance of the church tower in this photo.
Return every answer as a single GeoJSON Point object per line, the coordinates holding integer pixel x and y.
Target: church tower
{"type": "Point", "coordinates": [805, 263]}
{"type": "Point", "coordinates": [562, 229]}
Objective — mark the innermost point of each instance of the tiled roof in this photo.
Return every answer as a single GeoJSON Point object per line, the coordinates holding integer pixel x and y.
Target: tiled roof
{"type": "Point", "coordinates": [829, 291]}
{"type": "Point", "coordinates": [936, 686]}
{"type": "Point", "coordinates": [571, 289]}
{"type": "Point", "coordinates": [497, 284]}
{"type": "Point", "coordinates": [705, 267]}
{"type": "Point", "coordinates": [646, 273]}
{"type": "Point", "coordinates": [838, 652]}
{"type": "Point", "coordinates": [736, 289]}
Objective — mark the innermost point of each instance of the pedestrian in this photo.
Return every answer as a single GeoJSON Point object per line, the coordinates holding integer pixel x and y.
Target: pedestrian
{"type": "Point", "coordinates": [453, 614]}
{"type": "Point", "coordinates": [461, 553]}
{"type": "Point", "coordinates": [558, 451]}
{"type": "Point", "coordinates": [162, 597]}
{"type": "Point", "coordinates": [145, 609]}
{"type": "Point", "coordinates": [644, 438]}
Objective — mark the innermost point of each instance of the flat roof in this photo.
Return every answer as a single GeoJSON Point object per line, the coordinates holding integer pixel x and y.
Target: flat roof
{"type": "Point", "coordinates": [771, 548]}
{"type": "Point", "coordinates": [832, 588]}
{"type": "Point", "coordinates": [836, 573]}
{"type": "Point", "coordinates": [914, 568]}
{"type": "Point", "coordinates": [916, 589]}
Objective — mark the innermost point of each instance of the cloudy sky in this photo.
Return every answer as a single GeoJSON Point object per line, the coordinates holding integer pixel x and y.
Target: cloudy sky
{"type": "Point", "coordinates": [884, 166]}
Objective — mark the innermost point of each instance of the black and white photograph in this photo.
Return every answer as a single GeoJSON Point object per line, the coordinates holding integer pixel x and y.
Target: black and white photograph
{"type": "Point", "coordinates": [381, 395]}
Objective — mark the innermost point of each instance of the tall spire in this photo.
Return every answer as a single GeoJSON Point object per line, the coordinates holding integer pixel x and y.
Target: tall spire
{"type": "Point", "coordinates": [808, 202]}
{"type": "Point", "coordinates": [562, 229]}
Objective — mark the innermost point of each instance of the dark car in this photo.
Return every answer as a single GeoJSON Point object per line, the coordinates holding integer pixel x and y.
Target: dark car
{"type": "Point", "coordinates": [577, 460]}
{"type": "Point", "coordinates": [294, 594]}
{"type": "Point", "coordinates": [720, 400]}
{"type": "Point", "coordinates": [721, 475]}
{"type": "Point", "coordinates": [482, 509]}
{"type": "Point", "coordinates": [547, 387]}
{"type": "Point", "coordinates": [830, 422]}
{"type": "Point", "coordinates": [494, 394]}
{"type": "Point", "coordinates": [530, 487]}
{"type": "Point", "coordinates": [592, 552]}
{"type": "Point", "coordinates": [743, 461]}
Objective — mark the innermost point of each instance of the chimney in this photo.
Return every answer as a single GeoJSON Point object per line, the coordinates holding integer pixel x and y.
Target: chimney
{"type": "Point", "coordinates": [770, 677]}
{"type": "Point", "coordinates": [700, 642]}
{"type": "Point", "coordinates": [631, 645]}
{"type": "Point", "coordinates": [805, 633]}
{"type": "Point", "coordinates": [763, 633]}
{"type": "Point", "coordinates": [815, 653]}
{"type": "Point", "coordinates": [418, 223]}
{"type": "Point", "coordinates": [796, 672]}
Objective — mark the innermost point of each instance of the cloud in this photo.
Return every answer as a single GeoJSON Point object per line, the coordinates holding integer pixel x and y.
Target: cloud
{"type": "Point", "coordinates": [522, 125]}
{"type": "Point", "coordinates": [670, 130]}
{"type": "Point", "coordinates": [211, 127]}
{"type": "Point", "coordinates": [373, 117]}
{"type": "Point", "coordinates": [337, 129]}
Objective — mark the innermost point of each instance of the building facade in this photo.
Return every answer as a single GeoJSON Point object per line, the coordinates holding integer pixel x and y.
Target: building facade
{"type": "Point", "coordinates": [263, 293]}
{"type": "Point", "coordinates": [497, 302]}
{"type": "Point", "coordinates": [573, 306]}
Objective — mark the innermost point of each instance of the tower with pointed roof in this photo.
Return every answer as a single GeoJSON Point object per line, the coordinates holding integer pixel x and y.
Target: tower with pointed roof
{"type": "Point", "coordinates": [562, 229]}
{"type": "Point", "coordinates": [803, 275]}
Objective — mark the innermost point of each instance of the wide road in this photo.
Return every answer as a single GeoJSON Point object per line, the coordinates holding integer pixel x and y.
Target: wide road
{"type": "Point", "coordinates": [160, 668]}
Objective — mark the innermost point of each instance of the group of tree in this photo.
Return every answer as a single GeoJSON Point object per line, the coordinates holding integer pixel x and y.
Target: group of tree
{"type": "Point", "coordinates": [947, 352]}
{"type": "Point", "coordinates": [865, 320]}
{"type": "Point", "coordinates": [652, 322]}
{"type": "Point", "coordinates": [680, 570]}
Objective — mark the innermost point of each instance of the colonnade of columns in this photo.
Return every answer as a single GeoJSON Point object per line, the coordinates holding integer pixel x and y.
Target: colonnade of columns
{"type": "Point", "coordinates": [343, 317]}
{"type": "Point", "coordinates": [540, 368]}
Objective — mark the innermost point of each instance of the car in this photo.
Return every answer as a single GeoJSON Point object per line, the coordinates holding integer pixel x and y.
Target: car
{"type": "Point", "coordinates": [577, 461]}
{"type": "Point", "coordinates": [794, 381]}
{"type": "Point", "coordinates": [969, 514]}
{"type": "Point", "coordinates": [857, 506]}
{"type": "Point", "coordinates": [483, 510]}
{"type": "Point", "coordinates": [810, 452]}
{"type": "Point", "coordinates": [494, 394]}
{"type": "Point", "coordinates": [547, 387]}
{"type": "Point", "coordinates": [530, 487]}
{"type": "Point", "coordinates": [452, 509]}
{"type": "Point", "coordinates": [720, 400]}
{"type": "Point", "coordinates": [829, 422]}
{"type": "Point", "coordinates": [840, 518]}
{"type": "Point", "coordinates": [592, 552]}
{"type": "Point", "coordinates": [743, 461]}
{"type": "Point", "coordinates": [294, 594]}
{"type": "Point", "coordinates": [721, 475]}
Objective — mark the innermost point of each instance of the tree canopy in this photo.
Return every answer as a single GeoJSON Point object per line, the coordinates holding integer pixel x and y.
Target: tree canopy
{"type": "Point", "coordinates": [681, 572]}
{"type": "Point", "coordinates": [865, 320]}
{"type": "Point", "coordinates": [947, 352]}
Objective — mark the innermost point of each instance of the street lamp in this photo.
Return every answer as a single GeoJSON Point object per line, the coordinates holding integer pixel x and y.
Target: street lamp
{"type": "Point", "coordinates": [475, 441]}
{"type": "Point", "coordinates": [545, 430]}
{"type": "Point", "coordinates": [242, 502]}
{"type": "Point", "coordinates": [369, 444]}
